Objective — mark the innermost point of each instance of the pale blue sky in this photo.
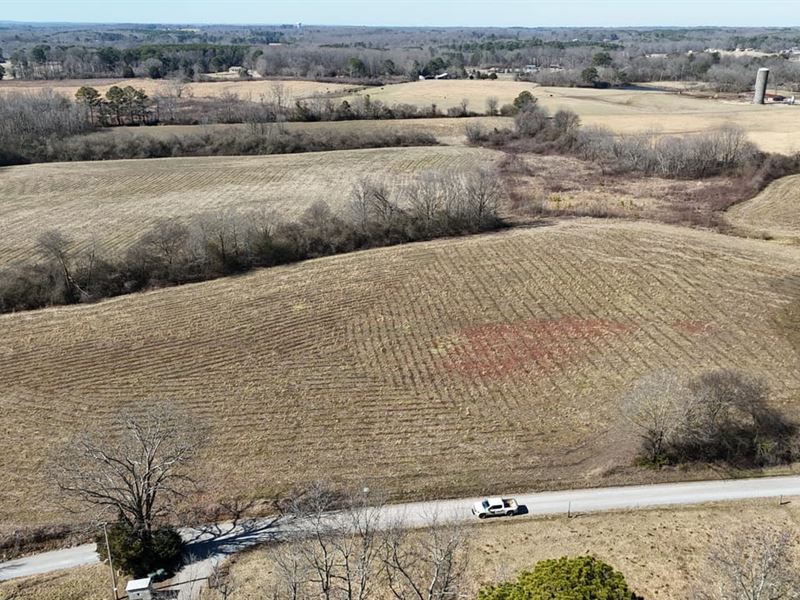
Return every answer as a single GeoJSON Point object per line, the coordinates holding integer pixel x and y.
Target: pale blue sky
{"type": "Point", "coordinates": [503, 13]}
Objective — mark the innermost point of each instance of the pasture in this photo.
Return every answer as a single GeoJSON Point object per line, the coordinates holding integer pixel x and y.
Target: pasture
{"type": "Point", "coordinates": [773, 128]}
{"type": "Point", "coordinates": [774, 212]}
{"type": "Point", "coordinates": [437, 369]}
{"type": "Point", "coordinates": [114, 202]}
{"type": "Point", "coordinates": [255, 90]}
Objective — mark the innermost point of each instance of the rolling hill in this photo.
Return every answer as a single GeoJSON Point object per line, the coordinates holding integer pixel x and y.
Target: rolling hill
{"type": "Point", "coordinates": [458, 366]}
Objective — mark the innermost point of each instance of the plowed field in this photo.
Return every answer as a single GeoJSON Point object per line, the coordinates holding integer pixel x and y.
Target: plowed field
{"type": "Point", "coordinates": [114, 202]}
{"type": "Point", "coordinates": [457, 366]}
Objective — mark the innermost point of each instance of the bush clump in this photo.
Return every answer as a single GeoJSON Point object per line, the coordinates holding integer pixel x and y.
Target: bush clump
{"type": "Point", "coordinates": [139, 553]}
{"type": "Point", "coordinates": [579, 578]}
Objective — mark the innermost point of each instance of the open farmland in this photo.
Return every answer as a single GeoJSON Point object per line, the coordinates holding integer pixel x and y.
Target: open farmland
{"type": "Point", "coordinates": [448, 93]}
{"type": "Point", "coordinates": [661, 552]}
{"type": "Point", "coordinates": [774, 212]}
{"type": "Point", "coordinates": [442, 368]}
{"type": "Point", "coordinates": [450, 131]}
{"type": "Point", "coordinates": [774, 128]}
{"type": "Point", "coordinates": [114, 202]}
{"type": "Point", "coordinates": [292, 89]}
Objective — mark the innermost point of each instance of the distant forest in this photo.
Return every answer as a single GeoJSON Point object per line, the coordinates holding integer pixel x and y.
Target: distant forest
{"type": "Point", "coordinates": [726, 58]}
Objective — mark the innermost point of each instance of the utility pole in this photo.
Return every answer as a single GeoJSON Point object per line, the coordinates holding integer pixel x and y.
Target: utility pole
{"type": "Point", "coordinates": [110, 564]}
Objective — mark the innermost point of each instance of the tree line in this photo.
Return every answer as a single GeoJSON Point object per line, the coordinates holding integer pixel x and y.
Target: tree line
{"type": "Point", "coordinates": [214, 245]}
{"type": "Point", "coordinates": [45, 61]}
{"type": "Point", "coordinates": [49, 127]}
{"type": "Point", "coordinates": [722, 151]}
{"type": "Point", "coordinates": [588, 57]}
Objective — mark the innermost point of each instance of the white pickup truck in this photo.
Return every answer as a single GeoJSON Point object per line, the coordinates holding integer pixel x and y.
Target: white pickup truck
{"type": "Point", "coordinates": [495, 507]}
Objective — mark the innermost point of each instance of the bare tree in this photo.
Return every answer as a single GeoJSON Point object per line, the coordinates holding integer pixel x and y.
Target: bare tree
{"type": "Point", "coordinates": [426, 565]}
{"type": "Point", "coordinates": [319, 554]}
{"type": "Point", "coordinates": [135, 474]}
{"type": "Point", "coordinates": [425, 197]}
{"type": "Point", "coordinates": [340, 557]}
{"type": "Point", "coordinates": [491, 105]}
{"type": "Point", "coordinates": [371, 201]}
{"type": "Point", "coordinates": [654, 407]}
{"type": "Point", "coordinates": [291, 572]}
{"type": "Point", "coordinates": [755, 564]}
{"type": "Point", "coordinates": [167, 241]}
{"type": "Point", "coordinates": [54, 247]}
{"type": "Point", "coordinates": [278, 95]}
{"type": "Point", "coordinates": [482, 193]}
{"type": "Point", "coordinates": [358, 547]}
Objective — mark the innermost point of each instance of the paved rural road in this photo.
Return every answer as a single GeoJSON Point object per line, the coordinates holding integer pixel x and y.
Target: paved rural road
{"type": "Point", "coordinates": [210, 545]}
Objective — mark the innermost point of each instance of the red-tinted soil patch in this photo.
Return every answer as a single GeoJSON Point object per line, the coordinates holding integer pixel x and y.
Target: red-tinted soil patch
{"type": "Point", "coordinates": [493, 350]}
{"type": "Point", "coordinates": [693, 326]}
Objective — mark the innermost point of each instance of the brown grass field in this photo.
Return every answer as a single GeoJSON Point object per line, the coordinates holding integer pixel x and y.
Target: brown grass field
{"type": "Point", "coordinates": [84, 583]}
{"type": "Point", "coordinates": [451, 131]}
{"type": "Point", "coordinates": [246, 90]}
{"type": "Point", "coordinates": [113, 202]}
{"type": "Point", "coordinates": [457, 366]}
{"type": "Point", "coordinates": [554, 185]}
{"type": "Point", "coordinates": [661, 552]}
{"type": "Point", "coordinates": [773, 128]}
{"type": "Point", "coordinates": [774, 212]}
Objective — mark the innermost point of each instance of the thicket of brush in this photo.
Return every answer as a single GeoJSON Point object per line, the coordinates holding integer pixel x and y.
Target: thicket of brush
{"type": "Point", "coordinates": [213, 245]}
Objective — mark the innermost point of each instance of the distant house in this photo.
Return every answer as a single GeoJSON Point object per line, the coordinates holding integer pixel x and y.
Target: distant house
{"type": "Point", "coordinates": [237, 70]}
{"type": "Point", "coordinates": [442, 76]}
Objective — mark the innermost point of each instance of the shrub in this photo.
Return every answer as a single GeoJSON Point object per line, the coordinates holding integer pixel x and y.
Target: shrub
{"type": "Point", "coordinates": [258, 139]}
{"type": "Point", "coordinates": [719, 415]}
{"type": "Point", "coordinates": [524, 101]}
{"type": "Point", "coordinates": [138, 553]}
{"type": "Point", "coordinates": [580, 578]}
{"type": "Point", "coordinates": [725, 151]}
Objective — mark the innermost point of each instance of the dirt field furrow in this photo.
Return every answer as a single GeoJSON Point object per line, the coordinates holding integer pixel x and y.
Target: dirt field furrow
{"type": "Point", "coordinates": [455, 366]}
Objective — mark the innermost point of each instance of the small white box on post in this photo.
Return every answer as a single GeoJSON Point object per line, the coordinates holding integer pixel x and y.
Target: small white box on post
{"type": "Point", "coordinates": [139, 589]}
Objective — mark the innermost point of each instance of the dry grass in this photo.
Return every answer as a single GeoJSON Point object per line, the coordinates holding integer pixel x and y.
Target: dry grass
{"type": "Point", "coordinates": [448, 93]}
{"type": "Point", "coordinates": [84, 583]}
{"type": "Point", "coordinates": [246, 90]}
{"type": "Point", "coordinates": [561, 185]}
{"type": "Point", "coordinates": [113, 202]}
{"type": "Point", "coordinates": [774, 128]}
{"type": "Point", "coordinates": [660, 552]}
{"type": "Point", "coordinates": [447, 130]}
{"type": "Point", "coordinates": [774, 212]}
{"type": "Point", "coordinates": [436, 369]}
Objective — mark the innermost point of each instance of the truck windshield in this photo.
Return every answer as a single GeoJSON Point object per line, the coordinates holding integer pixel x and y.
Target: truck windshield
{"type": "Point", "coordinates": [485, 504]}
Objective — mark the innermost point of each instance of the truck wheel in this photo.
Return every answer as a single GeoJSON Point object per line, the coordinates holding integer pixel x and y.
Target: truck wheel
{"type": "Point", "coordinates": [482, 516]}
{"type": "Point", "coordinates": [510, 513]}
